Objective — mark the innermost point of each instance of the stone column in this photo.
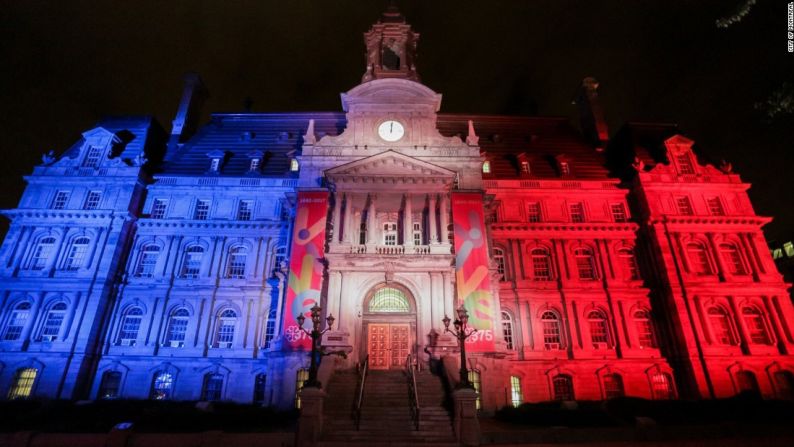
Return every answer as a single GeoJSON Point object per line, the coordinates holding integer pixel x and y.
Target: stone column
{"type": "Point", "coordinates": [372, 222]}
{"type": "Point", "coordinates": [310, 422]}
{"type": "Point", "coordinates": [432, 220]}
{"type": "Point", "coordinates": [336, 217]}
{"type": "Point", "coordinates": [467, 426]}
{"type": "Point", "coordinates": [713, 247]}
{"type": "Point", "coordinates": [408, 222]}
{"type": "Point", "coordinates": [348, 221]}
{"type": "Point", "coordinates": [444, 218]}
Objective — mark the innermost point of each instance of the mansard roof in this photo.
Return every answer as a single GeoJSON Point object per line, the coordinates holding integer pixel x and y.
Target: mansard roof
{"type": "Point", "coordinates": [133, 132]}
{"type": "Point", "coordinates": [504, 139]}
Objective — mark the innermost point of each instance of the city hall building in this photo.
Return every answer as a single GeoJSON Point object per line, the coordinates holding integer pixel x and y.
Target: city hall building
{"type": "Point", "coordinates": [144, 263]}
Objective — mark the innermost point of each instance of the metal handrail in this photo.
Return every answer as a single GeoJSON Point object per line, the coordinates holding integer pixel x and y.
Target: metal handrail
{"type": "Point", "coordinates": [410, 367]}
{"type": "Point", "coordinates": [362, 378]}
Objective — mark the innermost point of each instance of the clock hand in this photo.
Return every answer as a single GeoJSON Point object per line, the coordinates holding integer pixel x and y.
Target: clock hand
{"type": "Point", "coordinates": [391, 127]}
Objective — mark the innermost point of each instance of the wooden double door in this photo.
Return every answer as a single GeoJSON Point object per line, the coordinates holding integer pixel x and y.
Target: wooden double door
{"type": "Point", "coordinates": [388, 345]}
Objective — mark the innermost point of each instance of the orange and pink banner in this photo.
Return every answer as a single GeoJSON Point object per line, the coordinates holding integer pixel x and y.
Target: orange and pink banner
{"type": "Point", "coordinates": [472, 268]}
{"type": "Point", "coordinates": [305, 266]}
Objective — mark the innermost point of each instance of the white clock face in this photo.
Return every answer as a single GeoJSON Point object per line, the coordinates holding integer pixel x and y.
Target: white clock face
{"type": "Point", "coordinates": [391, 130]}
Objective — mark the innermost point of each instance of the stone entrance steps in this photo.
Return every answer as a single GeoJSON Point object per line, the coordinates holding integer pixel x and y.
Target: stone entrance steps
{"type": "Point", "coordinates": [386, 414]}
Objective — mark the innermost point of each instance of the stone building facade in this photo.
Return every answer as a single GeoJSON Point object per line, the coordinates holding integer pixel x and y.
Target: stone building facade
{"type": "Point", "coordinates": [143, 265]}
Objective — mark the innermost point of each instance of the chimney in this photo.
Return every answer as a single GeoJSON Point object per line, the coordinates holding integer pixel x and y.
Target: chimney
{"type": "Point", "coordinates": [186, 120]}
{"type": "Point", "coordinates": [591, 116]}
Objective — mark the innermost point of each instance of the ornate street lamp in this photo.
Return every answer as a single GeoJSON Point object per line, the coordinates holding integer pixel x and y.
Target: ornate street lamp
{"type": "Point", "coordinates": [315, 335]}
{"type": "Point", "coordinates": [461, 333]}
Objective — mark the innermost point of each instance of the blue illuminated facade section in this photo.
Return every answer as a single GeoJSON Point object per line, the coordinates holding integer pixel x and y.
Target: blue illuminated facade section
{"type": "Point", "coordinates": [141, 266]}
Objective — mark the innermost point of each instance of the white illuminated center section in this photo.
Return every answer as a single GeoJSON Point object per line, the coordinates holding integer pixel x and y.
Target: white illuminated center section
{"type": "Point", "coordinates": [391, 130]}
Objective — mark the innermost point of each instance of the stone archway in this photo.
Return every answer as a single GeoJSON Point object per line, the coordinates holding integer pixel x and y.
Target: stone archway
{"type": "Point", "coordinates": [389, 326]}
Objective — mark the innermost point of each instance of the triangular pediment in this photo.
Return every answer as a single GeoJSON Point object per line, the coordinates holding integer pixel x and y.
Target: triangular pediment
{"type": "Point", "coordinates": [98, 133]}
{"type": "Point", "coordinates": [390, 164]}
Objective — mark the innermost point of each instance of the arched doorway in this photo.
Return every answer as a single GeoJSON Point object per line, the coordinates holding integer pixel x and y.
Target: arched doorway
{"type": "Point", "coordinates": [389, 324]}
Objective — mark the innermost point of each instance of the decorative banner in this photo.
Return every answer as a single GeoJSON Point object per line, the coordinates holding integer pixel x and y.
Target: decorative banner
{"type": "Point", "coordinates": [471, 268]}
{"type": "Point", "coordinates": [305, 269]}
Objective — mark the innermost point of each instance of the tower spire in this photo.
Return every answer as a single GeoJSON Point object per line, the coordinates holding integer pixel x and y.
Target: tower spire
{"type": "Point", "coordinates": [391, 47]}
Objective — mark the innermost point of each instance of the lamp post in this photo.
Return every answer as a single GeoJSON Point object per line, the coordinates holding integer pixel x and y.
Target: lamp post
{"type": "Point", "coordinates": [461, 333]}
{"type": "Point", "coordinates": [315, 335]}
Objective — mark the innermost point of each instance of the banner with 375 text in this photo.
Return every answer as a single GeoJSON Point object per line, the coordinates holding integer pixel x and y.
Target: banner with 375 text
{"type": "Point", "coordinates": [471, 268]}
{"type": "Point", "coordinates": [305, 266]}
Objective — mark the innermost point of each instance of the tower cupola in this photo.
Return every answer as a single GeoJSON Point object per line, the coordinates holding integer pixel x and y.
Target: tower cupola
{"type": "Point", "coordinates": [391, 48]}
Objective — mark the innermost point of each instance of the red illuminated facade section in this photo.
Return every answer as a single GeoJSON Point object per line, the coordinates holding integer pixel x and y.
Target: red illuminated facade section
{"type": "Point", "coordinates": [659, 286]}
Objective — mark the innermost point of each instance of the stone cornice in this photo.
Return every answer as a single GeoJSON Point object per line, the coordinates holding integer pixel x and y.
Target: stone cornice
{"type": "Point", "coordinates": [65, 214]}
{"type": "Point", "coordinates": [713, 220]}
{"type": "Point", "coordinates": [210, 224]}
{"type": "Point", "coordinates": [553, 226]}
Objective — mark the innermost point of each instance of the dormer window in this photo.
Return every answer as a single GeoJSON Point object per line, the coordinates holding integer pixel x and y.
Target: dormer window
{"type": "Point", "coordinates": [486, 167]}
{"type": "Point", "coordinates": [254, 167]}
{"type": "Point", "coordinates": [93, 157]}
{"type": "Point", "coordinates": [524, 167]}
{"type": "Point", "coordinates": [294, 165]}
{"type": "Point", "coordinates": [565, 168]}
{"type": "Point", "coordinates": [215, 164]}
{"type": "Point", "coordinates": [685, 166]}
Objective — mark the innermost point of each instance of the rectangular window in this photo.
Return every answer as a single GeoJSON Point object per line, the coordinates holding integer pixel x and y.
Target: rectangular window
{"type": "Point", "coordinates": [254, 164]}
{"type": "Point", "coordinates": [684, 206]}
{"type": "Point", "coordinates": [23, 383]}
{"type": "Point", "coordinates": [301, 377]}
{"type": "Point", "coordinates": [245, 210]}
{"type": "Point", "coordinates": [486, 167]}
{"type": "Point", "coordinates": [202, 211]}
{"type": "Point", "coordinates": [293, 165]}
{"type": "Point", "coordinates": [270, 329]}
{"type": "Point", "coordinates": [159, 208]}
{"type": "Point", "coordinates": [60, 200]}
{"type": "Point", "coordinates": [93, 157]}
{"type": "Point", "coordinates": [577, 212]}
{"type": "Point", "coordinates": [525, 167]}
{"type": "Point", "coordinates": [685, 166]}
{"type": "Point", "coordinates": [565, 168]}
{"type": "Point", "coordinates": [215, 164]}
{"type": "Point", "coordinates": [92, 200]}
{"type": "Point", "coordinates": [516, 397]}
{"type": "Point", "coordinates": [533, 212]}
{"type": "Point", "coordinates": [618, 212]}
{"type": "Point", "coordinates": [417, 238]}
{"type": "Point", "coordinates": [476, 382]}
{"type": "Point", "coordinates": [715, 206]}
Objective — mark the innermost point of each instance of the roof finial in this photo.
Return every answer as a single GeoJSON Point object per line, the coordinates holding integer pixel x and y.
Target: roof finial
{"type": "Point", "coordinates": [310, 138]}
{"type": "Point", "coordinates": [472, 139]}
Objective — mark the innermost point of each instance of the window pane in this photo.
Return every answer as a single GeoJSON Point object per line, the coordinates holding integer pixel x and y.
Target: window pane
{"type": "Point", "coordinates": [516, 395]}
{"type": "Point", "coordinates": [507, 330]}
{"type": "Point", "coordinates": [235, 267]}
{"type": "Point", "coordinates": [224, 335]}
{"type": "Point", "coordinates": [618, 212]}
{"type": "Point", "coordinates": [92, 200]}
{"type": "Point", "coordinates": [159, 208]}
{"type": "Point", "coordinates": [613, 386]}
{"type": "Point", "coordinates": [162, 386]}
{"type": "Point", "coordinates": [533, 212]}
{"type": "Point", "coordinates": [389, 300]}
{"type": "Point", "coordinates": [110, 385]}
{"type": "Point", "coordinates": [552, 338]}
{"type": "Point", "coordinates": [60, 200]}
{"type": "Point", "coordinates": [213, 387]}
{"type": "Point", "coordinates": [245, 210]}
{"type": "Point", "coordinates": [577, 212]}
{"type": "Point", "coordinates": [17, 321]}
{"type": "Point", "coordinates": [202, 210]}
{"type": "Point", "coordinates": [476, 382]}
{"type": "Point", "coordinates": [662, 386]}
{"type": "Point", "coordinates": [541, 264]}
{"type": "Point", "coordinates": [22, 386]}
{"type": "Point", "coordinates": [42, 253]}
{"type": "Point", "coordinates": [147, 261]}
{"type": "Point", "coordinates": [563, 387]}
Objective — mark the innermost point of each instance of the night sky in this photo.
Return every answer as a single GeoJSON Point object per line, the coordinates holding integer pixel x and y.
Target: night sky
{"type": "Point", "coordinates": [67, 63]}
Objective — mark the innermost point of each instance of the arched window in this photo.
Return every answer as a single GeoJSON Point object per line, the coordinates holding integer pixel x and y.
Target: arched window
{"type": "Point", "coordinates": [110, 386]}
{"type": "Point", "coordinates": [507, 329]}
{"type": "Point", "coordinates": [721, 325]}
{"type": "Point", "coordinates": [259, 389]}
{"type": "Point", "coordinates": [499, 260]}
{"type": "Point", "coordinates": [646, 337]}
{"type": "Point", "coordinates": [270, 328]}
{"type": "Point", "coordinates": [486, 167]}
{"type": "Point", "coordinates": [784, 384]}
{"type": "Point", "coordinates": [662, 386]}
{"type": "Point", "coordinates": [516, 396]}
{"type": "Point", "coordinates": [75, 258]}
{"type": "Point", "coordinates": [213, 387]}
{"type": "Point", "coordinates": [746, 382]}
{"type": "Point", "coordinates": [17, 321]}
{"type": "Point", "coordinates": [147, 261]}
{"type": "Point", "coordinates": [42, 253]}
{"type": "Point", "coordinates": [130, 325]}
{"type": "Point", "coordinates": [235, 263]}
{"type": "Point", "coordinates": [756, 326]}
{"type": "Point", "coordinates": [732, 259]}
{"type": "Point", "coordinates": [177, 328]}
{"type": "Point", "coordinates": [552, 331]}
{"type": "Point", "coordinates": [585, 263]}
{"type": "Point", "coordinates": [541, 264]}
{"type": "Point", "coordinates": [22, 386]}
{"type": "Point", "coordinates": [52, 322]}
{"type": "Point", "coordinates": [613, 386]}
{"type": "Point", "coordinates": [389, 300]}
{"type": "Point", "coordinates": [698, 259]}
{"type": "Point", "coordinates": [563, 387]}
{"type": "Point", "coordinates": [301, 376]}
{"type": "Point", "coordinates": [224, 332]}
{"type": "Point", "coordinates": [628, 263]}
{"type": "Point", "coordinates": [191, 261]}
{"type": "Point", "coordinates": [475, 379]}
{"type": "Point", "coordinates": [162, 386]}
{"type": "Point", "coordinates": [599, 329]}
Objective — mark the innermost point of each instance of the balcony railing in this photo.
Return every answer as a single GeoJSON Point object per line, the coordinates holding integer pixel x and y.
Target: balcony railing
{"type": "Point", "coordinates": [391, 249]}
